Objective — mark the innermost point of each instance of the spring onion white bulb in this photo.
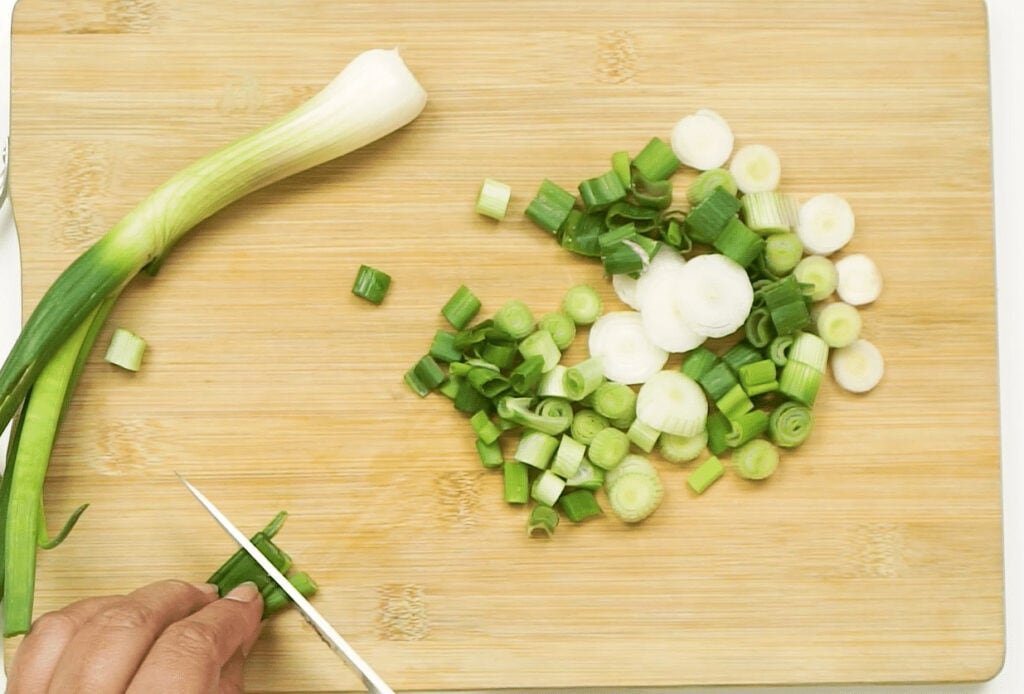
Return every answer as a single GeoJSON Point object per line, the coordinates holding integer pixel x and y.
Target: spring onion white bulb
{"type": "Point", "coordinates": [858, 367]}
{"type": "Point", "coordinates": [626, 352]}
{"type": "Point", "coordinates": [860, 281]}
{"type": "Point", "coordinates": [826, 224]}
{"type": "Point", "coordinates": [714, 295]}
{"type": "Point", "coordinates": [756, 168]}
{"type": "Point", "coordinates": [672, 402]}
{"type": "Point", "coordinates": [702, 140]}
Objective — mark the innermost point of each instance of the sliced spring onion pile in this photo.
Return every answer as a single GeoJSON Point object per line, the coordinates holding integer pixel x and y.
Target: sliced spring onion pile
{"type": "Point", "coordinates": [735, 260]}
{"type": "Point", "coordinates": [241, 567]}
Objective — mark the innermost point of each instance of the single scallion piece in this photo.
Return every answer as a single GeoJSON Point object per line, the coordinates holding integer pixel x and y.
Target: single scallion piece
{"type": "Point", "coordinates": [782, 252]}
{"type": "Point", "coordinates": [415, 384]}
{"type": "Point", "coordinates": [583, 379]}
{"type": "Point", "coordinates": [600, 192]}
{"type": "Point", "coordinates": [541, 344]}
{"type": "Point", "coordinates": [706, 183]}
{"type": "Point", "coordinates": [707, 220]}
{"type": "Point", "coordinates": [514, 319]}
{"type": "Point", "coordinates": [553, 421]}
{"type": "Point", "coordinates": [705, 475]}
{"type": "Point", "coordinates": [126, 350]}
{"type": "Point", "coordinates": [429, 372]}
{"type": "Point", "coordinates": [586, 424]}
{"type": "Point", "coordinates": [718, 429]}
{"type": "Point", "coordinates": [740, 354]}
{"type": "Point", "coordinates": [699, 362]}
{"type": "Point", "coordinates": [790, 317]}
{"type": "Point", "coordinates": [552, 384]}
{"type": "Point", "coordinates": [624, 258]}
{"type": "Point", "coordinates": [485, 429]}
{"type": "Point", "coordinates": [755, 460]}
{"type": "Point", "coordinates": [770, 212]}
{"type": "Point", "coordinates": [839, 324]}
{"type": "Point", "coordinates": [809, 349]}
{"type": "Point", "coordinates": [656, 161]}
{"type": "Point", "coordinates": [579, 505]}
{"type": "Point", "coordinates": [644, 219]}
{"type": "Point", "coordinates": [652, 194]}
{"type": "Point", "coordinates": [778, 349]}
{"type": "Point", "coordinates": [526, 377]}
{"type": "Point", "coordinates": [588, 476]}
{"type": "Point", "coordinates": [501, 354]}
{"type": "Point", "coordinates": [608, 447]}
{"type": "Point", "coordinates": [543, 519]}
{"type": "Point", "coordinates": [490, 453]}
{"type": "Point", "coordinates": [819, 272]}
{"type": "Point", "coordinates": [442, 348]}
{"type": "Point", "coordinates": [758, 327]}
{"type": "Point", "coordinates": [643, 436]}
{"type": "Point", "coordinates": [461, 308]}
{"type": "Point", "coordinates": [632, 464]}
{"type": "Point", "coordinates": [616, 234]}
{"type": "Point", "coordinates": [635, 496]}
{"type": "Point", "coordinates": [470, 400]}
{"type": "Point", "coordinates": [581, 232]}
{"type": "Point", "coordinates": [734, 403]}
{"type": "Point", "coordinates": [718, 381]}
{"type": "Point", "coordinates": [561, 327]}
{"type": "Point", "coordinates": [274, 597]}
{"type": "Point", "coordinates": [739, 243]}
{"type": "Point", "coordinates": [682, 449]}
{"type": "Point", "coordinates": [582, 304]}
{"type": "Point", "coordinates": [551, 206]}
{"type": "Point", "coordinates": [568, 457]}
{"type": "Point", "coordinates": [536, 449]}
{"type": "Point", "coordinates": [746, 426]}
{"type": "Point", "coordinates": [371, 284]}
{"type": "Point", "coordinates": [516, 482]}
{"type": "Point", "coordinates": [615, 401]}
{"type": "Point", "coordinates": [790, 424]}
{"type": "Point", "coordinates": [547, 488]}
{"type": "Point", "coordinates": [621, 167]}
{"type": "Point", "coordinates": [450, 388]}
{"type": "Point", "coordinates": [755, 376]}
{"type": "Point", "coordinates": [800, 382]}
{"type": "Point", "coordinates": [488, 381]}
{"type": "Point", "coordinates": [493, 198]}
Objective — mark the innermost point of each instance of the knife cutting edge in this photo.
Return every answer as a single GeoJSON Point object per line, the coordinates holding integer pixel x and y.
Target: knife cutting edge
{"type": "Point", "coordinates": [339, 645]}
{"type": "Point", "coordinates": [10, 253]}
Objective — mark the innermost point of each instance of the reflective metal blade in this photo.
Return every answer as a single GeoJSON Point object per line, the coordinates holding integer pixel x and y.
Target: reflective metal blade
{"type": "Point", "coordinates": [333, 639]}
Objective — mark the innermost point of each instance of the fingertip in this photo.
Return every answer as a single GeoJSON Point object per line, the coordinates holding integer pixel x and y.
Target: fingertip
{"type": "Point", "coordinates": [210, 590]}
{"type": "Point", "coordinates": [244, 592]}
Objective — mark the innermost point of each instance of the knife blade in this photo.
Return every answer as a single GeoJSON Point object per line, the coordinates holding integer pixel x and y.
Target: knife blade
{"type": "Point", "coordinates": [330, 636]}
{"type": "Point", "coordinates": [10, 253]}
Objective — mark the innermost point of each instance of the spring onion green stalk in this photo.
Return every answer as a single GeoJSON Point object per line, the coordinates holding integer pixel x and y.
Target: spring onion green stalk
{"type": "Point", "coordinates": [799, 381]}
{"type": "Point", "coordinates": [450, 388]}
{"type": "Point", "coordinates": [645, 220]}
{"type": "Point", "coordinates": [579, 505]}
{"type": "Point", "coordinates": [621, 166]}
{"type": "Point", "coordinates": [770, 212]}
{"type": "Point", "coordinates": [707, 220]}
{"type": "Point", "coordinates": [741, 354]}
{"type": "Point", "coordinates": [778, 349]}
{"type": "Point", "coordinates": [738, 242]}
{"type": "Point", "coordinates": [746, 426]}
{"type": "Point", "coordinates": [579, 233]}
{"type": "Point", "coordinates": [651, 194]}
{"type": "Point", "coordinates": [782, 252]}
{"type": "Point", "coordinates": [705, 475]}
{"type": "Point", "coordinates": [600, 192]}
{"type": "Point", "coordinates": [718, 430]}
{"type": "Point", "coordinates": [758, 327]}
{"type": "Point", "coordinates": [624, 258]}
{"type": "Point", "coordinates": [755, 460]}
{"type": "Point", "coordinates": [543, 519]}
{"type": "Point", "coordinates": [656, 161]}
{"type": "Point", "coordinates": [552, 384]}
{"type": "Point", "coordinates": [514, 319]}
{"type": "Point", "coordinates": [490, 453]}
{"type": "Point", "coordinates": [541, 344]}
{"type": "Point", "coordinates": [615, 401]}
{"type": "Point", "coordinates": [616, 234]}
{"type": "Point", "coordinates": [428, 372]}
{"type": "Point", "coordinates": [568, 457]}
{"type": "Point", "coordinates": [536, 449]}
{"type": "Point", "coordinates": [488, 381]}
{"type": "Point", "coordinates": [516, 482]}
{"type": "Point", "coordinates": [706, 182]}
{"type": "Point", "coordinates": [560, 326]}
{"type": "Point", "coordinates": [790, 424]}
{"type": "Point", "coordinates": [493, 198]}
{"type": "Point", "coordinates": [635, 496]}
{"type": "Point", "coordinates": [682, 449]}
{"type": "Point", "coordinates": [442, 348]}
{"type": "Point", "coordinates": [586, 424]}
{"type": "Point", "coordinates": [275, 599]}
{"type": "Point", "coordinates": [371, 284]}
{"type": "Point", "coordinates": [819, 272]}
{"type": "Point", "coordinates": [758, 377]}
{"type": "Point", "coordinates": [589, 476]}
{"type": "Point", "coordinates": [526, 377]}
{"type": "Point", "coordinates": [547, 488]}
{"type": "Point", "coordinates": [583, 379]}
{"type": "Point", "coordinates": [608, 447]}
{"type": "Point", "coordinates": [485, 429]}
{"type": "Point", "coordinates": [461, 308]}
{"type": "Point", "coordinates": [373, 96]}
{"type": "Point", "coordinates": [734, 403]}
{"type": "Point", "coordinates": [551, 206]}
{"type": "Point", "coordinates": [718, 381]}
{"type": "Point", "coordinates": [552, 422]}
{"type": "Point", "coordinates": [501, 354]}
{"type": "Point", "coordinates": [582, 304]}
{"type": "Point", "coordinates": [642, 435]}
{"type": "Point", "coordinates": [126, 350]}
{"type": "Point", "coordinates": [699, 362]}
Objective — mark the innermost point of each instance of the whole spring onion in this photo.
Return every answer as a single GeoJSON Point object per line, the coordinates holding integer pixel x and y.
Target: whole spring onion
{"type": "Point", "coordinates": [373, 96]}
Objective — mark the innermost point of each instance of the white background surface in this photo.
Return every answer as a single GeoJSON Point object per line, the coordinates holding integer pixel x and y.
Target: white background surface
{"type": "Point", "coordinates": [1006, 26]}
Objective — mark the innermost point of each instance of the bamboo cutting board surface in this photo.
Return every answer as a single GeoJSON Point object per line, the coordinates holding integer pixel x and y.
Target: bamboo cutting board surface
{"type": "Point", "coordinates": [874, 554]}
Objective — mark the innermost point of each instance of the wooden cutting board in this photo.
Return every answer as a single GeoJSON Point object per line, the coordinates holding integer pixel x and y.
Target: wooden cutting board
{"type": "Point", "coordinates": [874, 554]}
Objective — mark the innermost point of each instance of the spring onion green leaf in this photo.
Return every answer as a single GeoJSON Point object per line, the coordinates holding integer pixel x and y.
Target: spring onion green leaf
{"type": "Point", "coordinates": [579, 505]}
{"type": "Point", "coordinates": [746, 426]}
{"type": "Point", "coordinates": [656, 161]}
{"type": "Point", "coordinates": [699, 362]}
{"type": "Point", "coordinates": [551, 206]}
{"type": "Point", "coordinates": [621, 166]}
{"type": "Point", "coordinates": [790, 424]}
{"type": "Point", "coordinates": [707, 220]}
{"type": "Point", "coordinates": [493, 198]}
{"type": "Point", "coordinates": [461, 308]}
{"type": "Point", "coordinates": [707, 182]}
{"type": "Point", "coordinates": [371, 284]}
{"type": "Point", "coordinates": [516, 482]}
{"type": "Point", "coordinates": [600, 192]}
{"type": "Point", "coordinates": [443, 347]}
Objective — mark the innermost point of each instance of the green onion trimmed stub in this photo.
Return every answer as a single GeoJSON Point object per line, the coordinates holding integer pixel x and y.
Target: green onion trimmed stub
{"type": "Point", "coordinates": [126, 350]}
{"type": "Point", "coordinates": [493, 198]}
{"type": "Point", "coordinates": [371, 284]}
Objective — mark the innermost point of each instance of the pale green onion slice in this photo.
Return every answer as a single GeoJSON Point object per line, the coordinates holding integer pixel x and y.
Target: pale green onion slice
{"type": "Point", "coordinates": [858, 367]}
{"type": "Point", "coordinates": [589, 476]}
{"type": "Point", "coordinates": [756, 169]}
{"type": "Point", "coordinates": [582, 304]}
{"type": "Point", "coordinates": [126, 350]}
{"type": "Point", "coordinates": [672, 402]}
{"type": "Point", "coordinates": [809, 349]}
{"type": "Point", "coordinates": [536, 449]}
{"type": "Point", "coordinates": [547, 488]}
{"type": "Point", "coordinates": [631, 465]}
{"type": "Point", "coordinates": [860, 281]}
{"type": "Point", "coordinates": [634, 497]}
{"type": "Point", "coordinates": [643, 436]}
{"type": "Point", "coordinates": [493, 199]}
{"type": "Point", "coordinates": [568, 457]}
{"type": "Point", "coordinates": [755, 460]}
{"type": "Point", "coordinates": [819, 272]}
{"type": "Point", "coordinates": [552, 383]}
{"type": "Point", "coordinates": [709, 472]}
{"type": "Point", "coordinates": [839, 324]}
{"type": "Point", "coordinates": [608, 447]}
{"type": "Point", "coordinates": [626, 352]}
{"type": "Point", "coordinates": [682, 449]}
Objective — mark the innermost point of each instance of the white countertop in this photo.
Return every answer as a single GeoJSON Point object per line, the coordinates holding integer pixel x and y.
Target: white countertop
{"type": "Point", "coordinates": [1006, 27]}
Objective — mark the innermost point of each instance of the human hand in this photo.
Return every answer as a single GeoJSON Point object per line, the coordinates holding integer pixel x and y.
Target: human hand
{"type": "Point", "coordinates": [169, 636]}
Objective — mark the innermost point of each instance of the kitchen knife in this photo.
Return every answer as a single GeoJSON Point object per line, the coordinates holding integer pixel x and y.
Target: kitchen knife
{"type": "Point", "coordinates": [10, 254]}
{"type": "Point", "coordinates": [330, 636]}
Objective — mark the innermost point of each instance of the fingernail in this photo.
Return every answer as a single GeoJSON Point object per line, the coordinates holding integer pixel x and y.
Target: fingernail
{"type": "Point", "coordinates": [244, 592]}
{"type": "Point", "coordinates": [251, 641]}
{"type": "Point", "coordinates": [208, 588]}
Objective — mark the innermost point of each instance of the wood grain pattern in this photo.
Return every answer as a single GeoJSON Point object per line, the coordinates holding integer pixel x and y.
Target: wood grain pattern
{"type": "Point", "coordinates": [873, 555]}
